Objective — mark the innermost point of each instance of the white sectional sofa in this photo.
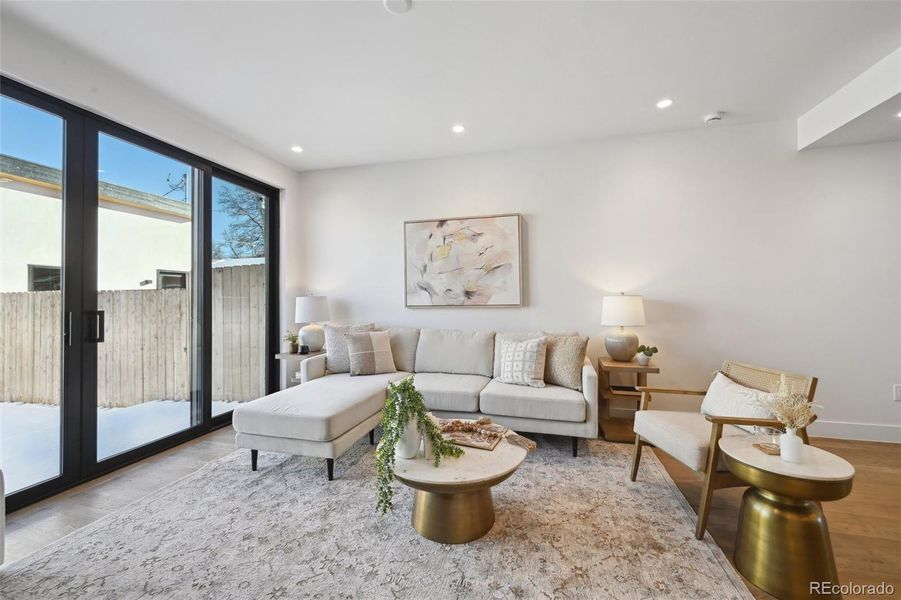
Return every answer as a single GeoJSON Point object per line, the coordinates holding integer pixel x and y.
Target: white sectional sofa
{"type": "Point", "coordinates": [455, 372]}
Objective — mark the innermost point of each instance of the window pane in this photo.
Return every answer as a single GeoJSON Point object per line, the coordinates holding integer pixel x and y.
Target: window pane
{"type": "Point", "coordinates": [31, 179]}
{"type": "Point", "coordinates": [144, 230]}
{"type": "Point", "coordinates": [239, 295]}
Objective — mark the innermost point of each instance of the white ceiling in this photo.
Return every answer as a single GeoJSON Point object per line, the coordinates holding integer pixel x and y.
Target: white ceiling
{"type": "Point", "coordinates": [354, 84]}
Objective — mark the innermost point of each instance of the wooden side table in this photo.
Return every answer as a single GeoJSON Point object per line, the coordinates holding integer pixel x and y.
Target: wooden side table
{"type": "Point", "coordinates": [619, 430]}
{"type": "Point", "coordinates": [782, 543]}
{"type": "Point", "coordinates": [294, 376]}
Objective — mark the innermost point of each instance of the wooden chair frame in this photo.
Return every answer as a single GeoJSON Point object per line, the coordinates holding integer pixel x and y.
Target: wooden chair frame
{"type": "Point", "coordinates": [758, 378]}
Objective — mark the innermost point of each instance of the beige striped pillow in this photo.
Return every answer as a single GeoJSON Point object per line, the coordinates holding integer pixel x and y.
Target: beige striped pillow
{"type": "Point", "coordinates": [370, 353]}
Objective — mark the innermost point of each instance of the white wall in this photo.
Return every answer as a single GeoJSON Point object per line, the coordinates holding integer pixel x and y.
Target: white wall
{"type": "Point", "coordinates": [743, 247]}
{"type": "Point", "coordinates": [32, 57]}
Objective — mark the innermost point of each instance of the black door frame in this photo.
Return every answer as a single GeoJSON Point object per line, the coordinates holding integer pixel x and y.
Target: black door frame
{"type": "Point", "coordinates": [78, 396]}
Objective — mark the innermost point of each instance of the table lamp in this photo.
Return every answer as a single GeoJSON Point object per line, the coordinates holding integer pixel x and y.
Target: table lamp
{"type": "Point", "coordinates": [622, 311]}
{"type": "Point", "coordinates": [311, 310]}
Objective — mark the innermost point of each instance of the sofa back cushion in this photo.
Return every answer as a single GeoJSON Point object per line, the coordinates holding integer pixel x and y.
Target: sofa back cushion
{"type": "Point", "coordinates": [455, 351]}
{"type": "Point", "coordinates": [404, 341]}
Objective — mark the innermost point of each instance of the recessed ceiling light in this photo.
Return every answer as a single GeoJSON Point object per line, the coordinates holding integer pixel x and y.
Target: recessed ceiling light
{"type": "Point", "coordinates": [898, 115]}
{"type": "Point", "coordinates": [458, 128]}
{"type": "Point", "coordinates": [665, 103]}
{"type": "Point", "coordinates": [297, 149]}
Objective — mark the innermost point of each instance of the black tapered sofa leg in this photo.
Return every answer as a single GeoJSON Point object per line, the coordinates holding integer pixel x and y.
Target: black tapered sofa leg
{"type": "Point", "coordinates": [372, 437]}
{"type": "Point", "coordinates": [253, 460]}
{"type": "Point", "coordinates": [330, 467]}
{"type": "Point", "coordinates": [575, 446]}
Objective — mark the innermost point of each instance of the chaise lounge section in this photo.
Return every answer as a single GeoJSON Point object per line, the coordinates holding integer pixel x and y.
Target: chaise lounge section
{"type": "Point", "coordinates": [455, 371]}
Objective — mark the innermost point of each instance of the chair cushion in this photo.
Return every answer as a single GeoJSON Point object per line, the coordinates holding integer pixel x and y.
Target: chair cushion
{"type": "Point", "coordinates": [446, 391]}
{"type": "Point", "coordinates": [337, 359]}
{"type": "Point", "coordinates": [551, 403]}
{"type": "Point", "coordinates": [370, 353]}
{"type": "Point", "coordinates": [683, 435]}
{"type": "Point", "coordinates": [319, 410]}
{"type": "Point", "coordinates": [725, 398]}
{"type": "Point", "coordinates": [455, 351]}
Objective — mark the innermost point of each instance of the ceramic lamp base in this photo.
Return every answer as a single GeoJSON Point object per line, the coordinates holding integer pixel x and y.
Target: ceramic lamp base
{"type": "Point", "coordinates": [313, 336]}
{"type": "Point", "coordinates": [621, 345]}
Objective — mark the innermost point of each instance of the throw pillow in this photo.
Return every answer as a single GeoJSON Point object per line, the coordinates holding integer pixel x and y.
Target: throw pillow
{"type": "Point", "coordinates": [725, 398]}
{"type": "Point", "coordinates": [522, 363]}
{"type": "Point", "coordinates": [370, 353]}
{"type": "Point", "coordinates": [565, 356]}
{"type": "Point", "coordinates": [500, 338]}
{"type": "Point", "coordinates": [336, 357]}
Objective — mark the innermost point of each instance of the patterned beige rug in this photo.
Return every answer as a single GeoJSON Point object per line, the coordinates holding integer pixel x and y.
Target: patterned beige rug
{"type": "Point", "coordinates": [566, 528]}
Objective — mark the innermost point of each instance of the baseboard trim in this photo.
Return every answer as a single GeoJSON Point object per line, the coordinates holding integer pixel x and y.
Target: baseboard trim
{"type": "Point", "coordinates": [844, 430]}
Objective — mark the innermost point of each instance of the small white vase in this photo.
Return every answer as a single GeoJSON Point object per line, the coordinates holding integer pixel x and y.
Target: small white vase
{"type": "Point", "coordinates": [791, 448]}
{"type": "Point", "coordinates": [643, 359]}
{"type": "Point", "coordinates": [409, 442]}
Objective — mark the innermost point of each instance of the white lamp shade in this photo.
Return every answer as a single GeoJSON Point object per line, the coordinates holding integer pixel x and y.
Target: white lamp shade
{"type": "Point", "coordinates": [624, 311]}
{"type": "Point", "coordinates": [311, 309]}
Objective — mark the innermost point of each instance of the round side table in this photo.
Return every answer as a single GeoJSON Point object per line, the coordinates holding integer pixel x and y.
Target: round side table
{"type": "Point", "coordinates": [782, 544]}
{"type": "Point", "coordinates": [453, 502]}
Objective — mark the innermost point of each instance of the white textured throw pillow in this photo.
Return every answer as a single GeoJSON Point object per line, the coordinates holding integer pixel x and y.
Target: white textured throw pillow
{"type": "Point", "coordinates": [337, 359]}
{"type": "Point", "coordinates": [522, 363]}
{"type": "Point", "coordinates": [725, 398]}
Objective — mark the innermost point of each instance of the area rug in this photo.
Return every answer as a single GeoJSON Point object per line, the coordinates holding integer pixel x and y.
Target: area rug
{"type": "Point", "coordinates": [566, 528]}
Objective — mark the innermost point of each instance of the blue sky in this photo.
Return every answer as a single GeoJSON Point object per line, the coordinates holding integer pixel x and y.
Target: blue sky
{"type": "Point", "coordinates": [37, 136]}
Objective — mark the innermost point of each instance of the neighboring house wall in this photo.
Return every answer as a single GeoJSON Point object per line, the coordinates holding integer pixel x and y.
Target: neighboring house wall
{"type": "Point", "coordinates": [132, 245]}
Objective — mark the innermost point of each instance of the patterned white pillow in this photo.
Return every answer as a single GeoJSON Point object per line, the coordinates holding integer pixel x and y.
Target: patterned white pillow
{"type": "Point", "coordinates": [522, 363]}
{"type": "Point", "coordinates": [725, 398]}
{"type": "Point", "coordinates": [337, 359]}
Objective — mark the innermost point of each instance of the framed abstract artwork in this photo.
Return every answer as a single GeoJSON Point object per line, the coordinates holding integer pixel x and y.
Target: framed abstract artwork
{"type": "Point", "coordinates": [465, 261]}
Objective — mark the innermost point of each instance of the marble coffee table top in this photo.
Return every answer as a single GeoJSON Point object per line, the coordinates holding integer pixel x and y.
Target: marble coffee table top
{"type": "Point", "coordinates": [475, 466]}
{"type": "Point", "coordinates": [817, 464]}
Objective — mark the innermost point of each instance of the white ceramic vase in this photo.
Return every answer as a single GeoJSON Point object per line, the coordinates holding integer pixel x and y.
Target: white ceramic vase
{"type": "Point", "coordinates": [643, 359]}
{"type": "Point", "coordinates": [410, 440]}
{"type": "Point", "coordinates": [791, 448]}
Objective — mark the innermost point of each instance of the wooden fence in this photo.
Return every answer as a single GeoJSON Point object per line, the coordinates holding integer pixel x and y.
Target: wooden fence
{"type": "Point", "coordinates": [146, 354]}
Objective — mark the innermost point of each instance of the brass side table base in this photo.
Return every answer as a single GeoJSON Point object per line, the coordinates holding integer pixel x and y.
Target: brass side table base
{"type": "Point", "coordinates": [454, 518]}
{"type": "Point", "coordinates": [783, 544]}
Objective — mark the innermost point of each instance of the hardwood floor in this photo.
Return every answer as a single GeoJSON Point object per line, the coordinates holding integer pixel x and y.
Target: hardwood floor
{"type": "Point", "coordinates": [865, 527]}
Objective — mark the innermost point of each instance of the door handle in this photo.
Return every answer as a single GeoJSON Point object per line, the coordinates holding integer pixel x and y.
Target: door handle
{"type": "Point", "coordinates": [67, 329]}
{"type": "Point", "coordinates": [97, 327]}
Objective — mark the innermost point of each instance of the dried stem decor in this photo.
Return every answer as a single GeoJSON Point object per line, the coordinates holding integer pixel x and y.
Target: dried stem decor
{"type": "Point", "coordinates": [792, 409]}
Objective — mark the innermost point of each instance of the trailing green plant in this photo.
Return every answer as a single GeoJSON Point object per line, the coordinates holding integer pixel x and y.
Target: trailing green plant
{"type": "Point", "coordinates": [648, 350]}
{"type": "Point", "coordinates": [404, 403]}
{"type": "Point", "coordinates": [290, 337]}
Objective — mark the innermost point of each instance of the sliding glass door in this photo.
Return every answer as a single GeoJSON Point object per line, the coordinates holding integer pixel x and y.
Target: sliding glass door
{"type": "Point", "coordinates": [137, 294]}
{"type": "Point", "coordinates": [32, 193]}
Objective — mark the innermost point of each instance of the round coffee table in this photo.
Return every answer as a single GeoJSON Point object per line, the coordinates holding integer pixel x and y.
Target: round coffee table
{"type": "Point", "coordinates": [782, 544]}
{"type": "Point", "coordinates": [453, 502]}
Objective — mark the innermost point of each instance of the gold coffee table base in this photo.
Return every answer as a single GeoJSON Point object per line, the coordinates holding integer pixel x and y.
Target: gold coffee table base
{"type": "Point", "coordinates": [783, 544]}
{"type": "Point", "coordinates": [454, 518]}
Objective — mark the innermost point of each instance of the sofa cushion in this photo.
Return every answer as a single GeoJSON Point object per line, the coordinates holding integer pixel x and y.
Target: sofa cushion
{"type": "Point", "coordinates": [551, 403]}
{"type": "Point", "coordinates": [725, 398]}
{"type": "Point", "coordinates": [565, 356]}
{"type": "Point", "coordinates": [522, 363]}
{"type": "Point", "coordinates": [455, 351]}
{"type": "Point", "coordinates": [337, 359]}
{"type": "Point", "coordinates": [319, 410]}
{"type": "Point", "coordinates": [683, 435]}
{"type": "Point", "coordinates": [404, 341]}
{"type": "Point", "coordinates": [509, 336]}
{"type": "Point", "coordinates": [446, 391]}
{"type": "Point", "coordinates": [370, 353]}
